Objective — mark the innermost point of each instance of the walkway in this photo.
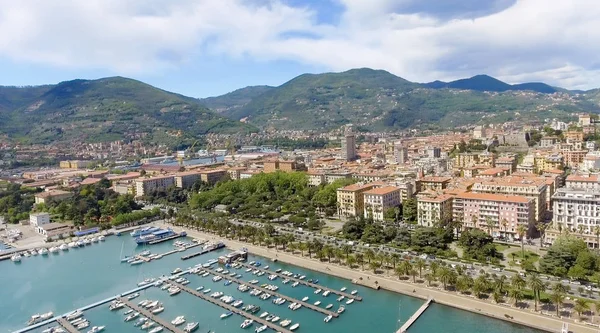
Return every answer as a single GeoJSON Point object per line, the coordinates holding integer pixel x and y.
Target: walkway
{"type": "Point", "coordinates": [67, 325]}
{"type": "Point", "coordinates": [231, 308]}
{"type": "Point", "coordinates": [276, 294]}
{"type": "Point", "coordinates": [166, 325]}
{"type": "Point", "coordinates": [312, 285]}
{"type": "Point", "coordinates": [415, 316]}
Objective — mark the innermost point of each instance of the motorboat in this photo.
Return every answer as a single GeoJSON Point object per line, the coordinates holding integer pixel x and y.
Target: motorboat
{"type": "Point", "coordinates": [318, 291]}
{"type": "Point", "coordinates": [74, 315]}
{"type": "Point", "coordinates": [190, 327]}
{"type": "Point", "coordinates": [54, 249]}
{"type": "Point", "coordinates": [199, 288]}
{"type": "Point", "coordinates": [96, 329]}
{"type": "Point", "coordinates": [174, 291]}
{"type": "Point", "coordinates": [206, 291]}
{"type": "Point", "coordinates": [286, 281]}
{"type": "Point", "coordinates": [228, 282]}
{"type": "Point", "coordinates": [151, 305]}
{"type": "Point", "coordinates": [269, 317]}
{"type": "Point", "coordinates": [350, 301]}
{"type": "Point", "coordinates": [329, 306]}
{"type": "Point", "coordinates": [263, 315]}
{"type": "Point", "coordinates": [317, 303]}
{"type": "Point", "coordinates": [72, 245]}
{"type": "Point", "coordinates": [26, 254]}
{"type": "Point", "coordinates": [165, 286]}
{"type": "Point", "coordinates": [294, 327]}
{"type": "Point", "coordinates": [237, 303]}
{"type": "Point", "coordinates": [101, 238]}
{"type": "Point", "coordinates": [354, 292]}
{"type": "Point", "coordinates": [43, 251]}
{"type": "Point", "coordinates": [304, 299]}
{"type": "Point", "coordinates": [177, 270]}
{"type": "Point", "coordinates": [77, 321]}
{"type": "Point", "coordinates": [132, 296]}
{"type": "Point", "coordinates": [295, 284]}
{"type": "Point", "coordinates": [326, 293]}
{"type": "Point", "coordinates": [132, 316]}
{"type": "Point", "coordinates": [285, 323]}
{"type": "Point", "coordinates": [146, 281]}
{"type": "Point", "coordinates": [158, 310]}
{"type": "Point", "coordinates": [127, 312]}
{"type": "Point", "coordinates": [38, 318]}
{"type": "Point", "coordinates": [116, 305]}
{"type": "Point", "coordinates": [147, 325]}
{"type": "Point", "coordinates": [94, 239]}
{"type": "Point", "coordinates": [87, 241]}
{"type": "Point", "coordinates": [343, 289]}
{"type": "Point", "coordinates": [247, 323]}
{"type": "Point", "coordinates": [144, 302]}
{"type": "Point", "coordinates": [226, 315]}
{"type": "Point", "coordinates": [16, 258]}
{"type": "Point", "coordinates": [275, 319]}
{"type": "Point", "coordinates": [227, 299]}
{"type": "Point", "coordinates": [65, 247]}
{"type": "Point", "coordinates": [328, 318]}
{"type": "Point", "coordinates": [341, 309]}
{"type": "Point", "coordinates": [156, 329]}
{"type": "Point", "coordinates": [260, 329]}
{"type": "Point", "coordinates": [144, 253]}
{"type": "Point", "coordinates": [216, 294]}
{"type": "Point", "coordinates": [341, 298]}
{"type": "Point", "coordinates": [83, 325]}
{"type": "Point", "coordinates": [136, 262]}
{"type": "Point", "coordinates": [178, 320]}
{"type": "Point", "coordinates": [140, 322]}
{"type": "Point", "coordinates": [33, 252]}
{"type": "Point", "coordinates": [278, 270]}
{"type": "Point", "coordinates": [217, 279]}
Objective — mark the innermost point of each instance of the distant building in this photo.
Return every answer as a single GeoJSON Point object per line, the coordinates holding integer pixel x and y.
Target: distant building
{"type": "Point", "coordinates": [75, 164]}
{"type": "Point", "coordinates": [186, 179]}
{"type": "Point", "coordinates": [585, 120]}
{"type": "Point", "coordinates": [39, 219]}
{"type": "Point", "coordinates": [54, 195]}
{"type": "Point", "coordinates": [378, 200]}
{"type": "Point", "coordinates": [548, 142]}
{"type": "Point", "coordinates": [583, 182]}
{"type": "Point", "coordinates": [433, 183]}
{"type": "Point", "coordinates": [143, 186]}
{"type": "Point", "coordinates": [400, 153]}
{"type": "Point", "coordinates": [432, 210]}
{"type": "Point", "coordinates": [577, 210]}
{"type": "Point", "coordinates": [212, 176]}
{"type": "Point", "coordinates": [276, 165]}
{"type": "Point", "coordinates": [350, 199]}
{"type": "Point", "coordinates": [509, 162]}
{"type": "Point", "coordinates": [434, 152]}
{"type": "Point", "coordinates": [348, 144]}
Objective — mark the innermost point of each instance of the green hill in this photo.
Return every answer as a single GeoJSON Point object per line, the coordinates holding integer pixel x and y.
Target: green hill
{"type": "Point", "coordinates": [235, 99]}
{"type": "Point", "coordinates": [378, 100]}
{"type": "Point", "coordinates": [488, 83]}
{"type": "Point", "coordinates": [105, 110]}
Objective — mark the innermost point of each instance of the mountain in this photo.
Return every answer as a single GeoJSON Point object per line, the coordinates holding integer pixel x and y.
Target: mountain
{"type": "Point", "coordinates": [378, 100]}
{"type": "Point", "coordinates": [104, 110]}
{"type": "Point", "coordinates": [488, 83]}
{"type": "Point", "coordinates": [235, 99]}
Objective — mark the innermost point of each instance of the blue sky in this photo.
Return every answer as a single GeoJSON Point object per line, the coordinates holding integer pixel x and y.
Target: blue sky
{"type": "Point", "coordinates": [203, 48]}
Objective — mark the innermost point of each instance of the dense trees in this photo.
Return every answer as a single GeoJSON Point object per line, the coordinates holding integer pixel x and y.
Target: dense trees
{"type": "Point", "coordinates": [16, 202]}
{"type": "Point", "coordinates": [569, 256]}
{"type": "Point", "coordinates": [478, 245]}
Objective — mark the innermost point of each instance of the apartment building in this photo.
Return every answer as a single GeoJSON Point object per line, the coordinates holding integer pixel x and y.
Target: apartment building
{"type": "Point", "coordinates": [350, 199]}
{"type": "Point", "coordinates": [53, 195]}
{"type": "Point", "coordinates": [583, 182]}
{"type": "Point", "coordinates": [379, 200]}
{"type": "Point", "coordinates": [507, 162]}
{"type": "Point", "coordinates": [348, 144]}
{"type": "Point", "coordinates": [492, 173]}
{"type": "Point", "coordinates": [234, 173]}
{"type": "Point", "coordinates": [143, 186]}
{"type": "Point", "coordinates": [186, 179]}
{"type": "Point", "coordinates": [534, 188]}
{"type": "Point", "coordinates": [434, 209]}
{"type": "Point", "coordinates": [465, 160]}
{"type": "Point", "coordinates": [370, 177]}
{"type": "Point", "coordinates": [549, 162]}
{"type": "Point", "coordinates": [212, 176]}
{"type": "Point", "coordinates": [432, 183]}
{"type": "Point", "coordinates": [573, 158]}
{"type": "Point", "coordinates": [506, 212]}
{"type": "Point", "coordinates": [548, 141]}
{"type": "Point", "coordinates": [577, 210]}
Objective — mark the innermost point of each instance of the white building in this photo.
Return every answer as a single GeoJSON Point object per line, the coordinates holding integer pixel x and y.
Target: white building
{"type": "Point", "coordinates": [379, 200]}
{"type": "Point", "coordinates": [39, 219]}
{"type": "Point", "coordinates": [576, 210]}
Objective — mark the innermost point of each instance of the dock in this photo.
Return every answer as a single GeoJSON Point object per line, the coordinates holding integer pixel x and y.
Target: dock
{"type": "Point", "coordinates": [165, 324]}
{"type": "Point", "coordinates": [415, 316]}
{"type": "Point", "coordinates": [156, 241]}
{"type": "Point", "coordinates": [231, 308]}
{"type": "Point", "coordinates": [276, 294]}
{"type": "Point", "coordinates": [67, 325]}
{"type": "Point", "coordinates": [195, 254]}
{"type": "Point", "coordinates": [306, 283]}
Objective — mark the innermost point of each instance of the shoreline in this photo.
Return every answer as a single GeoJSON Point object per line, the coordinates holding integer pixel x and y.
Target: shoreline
{"type": "Point", "coordinates": [465, 303]}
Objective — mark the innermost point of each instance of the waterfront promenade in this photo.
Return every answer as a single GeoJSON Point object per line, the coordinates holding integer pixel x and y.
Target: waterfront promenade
{"type": "Point", "coordinates": [471, 304]}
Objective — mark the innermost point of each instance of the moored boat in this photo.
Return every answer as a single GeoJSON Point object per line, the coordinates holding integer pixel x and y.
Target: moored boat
{"type": "Point", "coordinates": [294, 327]}
{"type": "Point", "coordinates": [190, 327]}
{"type": "Point", "coordinates": [226, 315]}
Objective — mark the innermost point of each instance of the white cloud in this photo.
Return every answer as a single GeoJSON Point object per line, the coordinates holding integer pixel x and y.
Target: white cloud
{"type": "Point", "coordinates": [553, 41]}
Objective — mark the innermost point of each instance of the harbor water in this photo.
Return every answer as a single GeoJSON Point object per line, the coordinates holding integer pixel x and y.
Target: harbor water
{"type": "Point", "coordinates": [71, 279]}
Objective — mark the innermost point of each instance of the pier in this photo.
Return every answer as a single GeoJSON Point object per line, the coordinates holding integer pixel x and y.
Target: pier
{"type": "Point", "coordinates": [306, 283]}
{"type": "Point", "coordinates": [231, 308]}
{"type": "Point", "coordinates": [195, 254]}
{"type": "Point", "coordinates": [156, 241]}
{"type": "Point", "coordinates": [67, 325]}
{"type": "Point", "coordinates": [276, 294]}
{"type": "Point", "coordinates": [165, 324]}
{"type": "Point", "coordinates": [415, 316]}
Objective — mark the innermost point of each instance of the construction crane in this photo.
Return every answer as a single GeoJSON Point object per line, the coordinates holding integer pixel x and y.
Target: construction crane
{"type": "Point", "coordinates": [190, 149]}
{"type": "Point", "coordinates": [231, 149]}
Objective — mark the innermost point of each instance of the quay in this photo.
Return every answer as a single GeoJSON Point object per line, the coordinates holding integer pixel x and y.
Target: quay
{"type": "Point", "coordinates": [306, 283]}
{"type": "Point", "coordinates": [276, 294]}
{"type": "Point", "coordinates": [156, 241]}
{"type": "Point", "coordinates": [165, 324]}
{"type": "Point", "coordinates": [415, 316]}
{"type": "Point", "coordinates": [195, 254]}
{"type": "Point", "coordinates": [67, 325]}
{"type": "Point", "coordinates": [231, 308]}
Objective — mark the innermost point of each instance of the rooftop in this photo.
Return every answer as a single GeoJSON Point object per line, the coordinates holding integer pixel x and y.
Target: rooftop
{"type": "Point", "coordinates": [583, 178]}
{"type": "Point", "coordinates": [432, 179]}
{"type": "Point", "coordinates": [355, 187]}
{"type": "Point", "coordinates": [493, 197]}
{"type": "Point", "coordinates": [382, 190]}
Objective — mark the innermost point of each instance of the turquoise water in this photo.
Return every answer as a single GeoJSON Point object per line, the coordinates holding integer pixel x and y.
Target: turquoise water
{"type": "Point", "coordinates": [65, 281]}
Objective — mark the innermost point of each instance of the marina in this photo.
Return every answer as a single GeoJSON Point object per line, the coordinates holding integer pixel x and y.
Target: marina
{"type": "Point", "coordinates": [67, 325]}
{"type": "Point", "coordinates": [306, 283]}
{"type": "Point", "coordinates": [233, 309]}
{"type": "Point", "coordinates": [276, 294]}
{"type": "Point", "coordinates": [204, 251]}
{"type": "Point", "coordinates": [415, 316]}
{"type": "Point", "coordinates": [96, 276]}
{"type": "Point", "coordinates": [165, 324]}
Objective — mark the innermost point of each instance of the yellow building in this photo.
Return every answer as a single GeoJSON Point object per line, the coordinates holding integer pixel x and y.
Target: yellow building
{"type": "Point", "coordinates": [433, 209]}
{"type": "Point", "coordinates": [350, 199]}
{"type": "Point", "coordinates": [379, 200]}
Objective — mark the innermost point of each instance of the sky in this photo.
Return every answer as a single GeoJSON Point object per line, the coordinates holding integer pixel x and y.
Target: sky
{"type": "Point", "coordinates": [204, 48]}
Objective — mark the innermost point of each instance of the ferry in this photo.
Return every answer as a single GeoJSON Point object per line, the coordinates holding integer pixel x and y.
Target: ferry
{"type": "Point", "coordinates": [157, 235]}
{"type": "Point", "coordinates": [143, 231]}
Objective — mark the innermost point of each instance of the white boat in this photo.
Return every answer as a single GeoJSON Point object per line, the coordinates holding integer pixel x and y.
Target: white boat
{"type": "Point", "coordinates": [285, 323]}
{"type": "Point", "coordinates": [43, 251]}
{"type": "Point", "coordinates": [116, 305]}
{"type": "Point", "coordinates": [94, 239]}
{"type": "Point", "coordinates": [247, 323]}
{"type": "Point", "coordinates": [140, 322]}
{"type": "Point", "coordinates": [237, 303]}
{"type": "Point", "coordinates": [151, 305]}
{"type": "Point", "coordinates": [136, 262]}
{"type": "Point", "coordinates": [156, 329]}
{"type": "Point", "coordinates": [226, 315]}
{"type": "Point", "coordinates": [16, 258]}
{"type": "Point", "coordinates": [148, 325]}
{"type": "Point", "coordinates": [101, 238]}
{"type": "Point", "coordinates": [145, 282]}
{"type": "Point", "coordinates": [127, 312]}
{"type": "Point", "coordinates": [343, 289]}
{"type": "Point", "coordinates": [295, 326]}
{"type": "Point", "coordinates": [72, 244]}
{"type": "Point", "coordinates": [206, 291]}
{"type": "Point", "coordinates": [178, 320]}
{"type": "Point", "coordinates": [341, 298]}
{"type": "Point", "coordinates": [158, 310]}
{"type": "Point", "coordinates": [275, 319]}
{"type": "Point", "coordinates": [354, 292]}
{"type": "Point", "coordinates": [350, 301]}
{"type": "Point", "coordinates": [341, 309]}
{"type": "Point", "coordinates": [295, 284]}
{"type": "Point", "coordinates": [26, 254]}
{"type": "Point", "coordinates": [199, 288]}
{"type": "Point", "coordinates": [65, 247]}
{"type": "Point", "coordinates": [217, 278]}
{"type": "Point", "coordinates": [144, 302]}
{"type": "Point", "coordinates": [317, 303]}
{"type": "Point", "coordinates": [329, 306]}
{"type": "Point", "coordinates": [304, 299]}
{"type": "Point", "coordinates": [74, 315]}
{"type": "Point", "coordinates": [190, 327]}
{"type": "Point", "coordinates": [260, 329]}
{"type": "Point", "coordinates": [174, 291]}
{"type": "Point", "coordinates": [318, 291]}
{"type": "Point", "coordinates": [132, 296]}
{"type": "Point", "coordinates": [328, 318]}
{"type": "Point", "coordinates": [38, 318]}
{"type": "Point", "coordinates": [87, 241]}
{"type": "Point", "coordinates": [177, 270]}
{"type": "Point", "coordinates": [96, 329]}
{"type": "Point", "coordinates": [264, 314]}
{"type": "Point", "coordinates": [83, 325]}
{"type": "Point", "coordinates": [326, 293]}
{"type": "Point", "coordinates": [33, 252]}
{"type": "Point", "coordinates": [132, 316]}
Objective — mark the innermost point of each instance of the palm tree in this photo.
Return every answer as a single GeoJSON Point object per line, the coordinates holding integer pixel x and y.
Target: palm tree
{"type": "Point", "coordinates": [557, 298]}
{"type": "Point", "coordinates": [347, 249]}
{"type": "Point", "coordinates": [360, 260]}
{"type": "Point", "coordinates": [516, 294]}
{"type": "Point", "coordinates": [370, 255]}
{"type": "Point", "coordinates": [464, 283]}
{"type": "Point", "coordinates": [497, 296]}
{"type": "Point", "coordinates": [597, 233]}
{"type": "Point", "coordinates": [537, 287]}
{"type": "Point", "coordinates": [521, 231]}
{"type": "Point", "coordinates": [505, 226]}
{"type": "Point", "coordinates": [490, 224]}
{"type": "Point", "coordinates": [350, 261]}
{"type": "Point", "coordinates": [481, 285]}
{"type": "Point", "coordinates": [394, 258]}
{"type": "Point", "coordinates": [581, 305]}
{"type": "Point", "coordinates": [328, 252]}
{"type": "Point", "coordinates": [413, 272]}
{"type": "Point", "coordinates": [405, 266]}
{"type": "Point", "coordinates": [434, 266]}
{"type": "Point", "coordinates": [292, 247]}
{"type": "Point", "coordinates": [429, 278]}
{"type": "Point", "coordinates": [302, 247]}
{"type": "Point", "coordinates": [375, 265]}
{"type": "Point", "coordinates": [399, 271]}
{"type": "Point", "coordinates": [517, 282]}
{"type": "Point", "coordinates": [445, 275]}
{"type": "Point", "coordinates": [541, 228]}
{"type": "Point", "coordinates": [561, 288]}
{"type": "Point", "coordinates": [420, 264]}
{"type": "Point", "coordinates": [499, 284]}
